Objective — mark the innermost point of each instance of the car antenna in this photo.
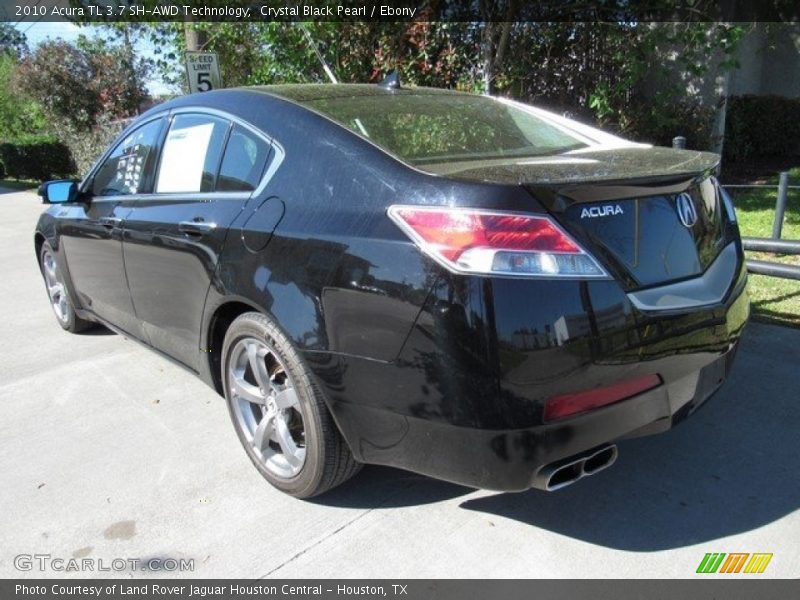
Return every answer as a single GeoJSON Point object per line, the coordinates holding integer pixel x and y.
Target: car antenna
{"type": "Point", "coordinates": [391, 81]}
{"type": "Point", "coordinates": [321, 59]}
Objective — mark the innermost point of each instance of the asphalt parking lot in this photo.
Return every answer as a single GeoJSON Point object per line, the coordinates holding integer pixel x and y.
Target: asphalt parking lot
{"type": "Point", "coordinates": [109, 451]}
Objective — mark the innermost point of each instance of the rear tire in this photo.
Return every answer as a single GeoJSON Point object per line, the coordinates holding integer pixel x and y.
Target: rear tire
{"type": "Point", "coordinates": [278, 412]}
{"type": "Point", "coordinates": [57, 292]}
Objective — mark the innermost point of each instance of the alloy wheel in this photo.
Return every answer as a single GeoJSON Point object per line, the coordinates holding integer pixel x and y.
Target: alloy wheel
{"type": "Point", "coordinates": [55, 287]}
{"type": "Point", "coordinates": [266, 407]}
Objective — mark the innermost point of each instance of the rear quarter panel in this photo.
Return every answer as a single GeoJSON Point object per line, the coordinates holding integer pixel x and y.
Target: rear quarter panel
{"type": "Point", "coordinates": [336, 274]}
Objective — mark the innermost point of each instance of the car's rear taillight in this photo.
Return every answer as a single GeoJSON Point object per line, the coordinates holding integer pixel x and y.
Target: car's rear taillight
{"type": "Point", "coordinates": [470, 240]}
{"type": "Point", "coordinates": [570, 405]}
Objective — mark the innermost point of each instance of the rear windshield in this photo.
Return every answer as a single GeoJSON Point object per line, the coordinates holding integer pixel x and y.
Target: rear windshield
{"type": "Point", "coordinates": [426, 129]}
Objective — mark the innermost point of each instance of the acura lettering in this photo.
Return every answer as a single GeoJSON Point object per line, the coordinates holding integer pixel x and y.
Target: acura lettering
{"type": "Point", "coordinates": [594, 212]}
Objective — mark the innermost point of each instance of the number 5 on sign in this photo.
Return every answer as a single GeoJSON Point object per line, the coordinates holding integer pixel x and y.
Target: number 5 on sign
{"type": "Point", "coordinates": [202, 69]}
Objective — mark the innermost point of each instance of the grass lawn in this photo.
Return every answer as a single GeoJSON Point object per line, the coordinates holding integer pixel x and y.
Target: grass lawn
{"type": "Point", "coordinates": [773, 299]}
{"type": "Point", "coordinates": [13, 184]}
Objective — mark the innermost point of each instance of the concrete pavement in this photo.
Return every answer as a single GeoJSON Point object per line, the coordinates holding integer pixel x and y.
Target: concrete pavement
{"type": "Point", "coordinates": [109, 451]}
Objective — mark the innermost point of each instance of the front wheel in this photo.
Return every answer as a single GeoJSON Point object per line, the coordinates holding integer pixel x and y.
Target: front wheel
{"type": "Point", "coordinates": [57, 292]}
{"type": "Point", "coordinates": [278, 413]}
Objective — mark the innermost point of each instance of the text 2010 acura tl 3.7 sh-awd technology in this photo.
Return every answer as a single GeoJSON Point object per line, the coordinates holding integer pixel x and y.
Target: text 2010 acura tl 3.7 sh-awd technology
{"type": "Point", "coordinates": [457, 285]}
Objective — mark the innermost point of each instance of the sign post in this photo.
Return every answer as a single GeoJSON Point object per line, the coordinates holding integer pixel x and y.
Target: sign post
{"type": "Point", "coordinates": [202, 69]}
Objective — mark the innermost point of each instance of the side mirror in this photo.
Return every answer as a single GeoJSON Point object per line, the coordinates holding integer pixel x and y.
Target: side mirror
{"type": "Point", "coordinates": [58, 191]}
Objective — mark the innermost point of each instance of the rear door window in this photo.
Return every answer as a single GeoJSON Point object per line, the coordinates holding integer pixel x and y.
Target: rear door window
{"type": "Point", "coordinates": [191, 155]}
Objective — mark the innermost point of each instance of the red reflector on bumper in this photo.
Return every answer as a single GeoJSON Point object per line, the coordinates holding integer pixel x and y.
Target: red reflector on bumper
{"type": "Point", "coordinates": [568, 405]}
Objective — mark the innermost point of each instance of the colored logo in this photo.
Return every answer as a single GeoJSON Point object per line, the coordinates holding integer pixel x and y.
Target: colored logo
{"type": "Point", "coordinates": [734, 562]}
{"type": "Point", "coordinates": [686, 210]}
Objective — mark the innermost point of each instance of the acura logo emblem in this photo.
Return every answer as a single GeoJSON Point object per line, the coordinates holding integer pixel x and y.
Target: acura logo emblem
{"type": "Point", "coordinates": [686, 210]}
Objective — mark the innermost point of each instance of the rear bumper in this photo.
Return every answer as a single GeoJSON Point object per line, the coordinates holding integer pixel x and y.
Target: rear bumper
{"type": "Point", "coordinates": [513, 460]}
{"type": "Point", "coordinates": [464, 400]}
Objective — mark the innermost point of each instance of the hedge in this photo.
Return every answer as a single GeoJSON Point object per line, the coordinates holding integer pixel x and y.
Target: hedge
{"type": "Point", "coordinates": [762, 127]}
{"type": "Point", "coordinates": [38, 160]}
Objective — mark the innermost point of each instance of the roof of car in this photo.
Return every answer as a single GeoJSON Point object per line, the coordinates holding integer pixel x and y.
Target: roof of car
{"type": "Point", "coordinates": [308, 92]}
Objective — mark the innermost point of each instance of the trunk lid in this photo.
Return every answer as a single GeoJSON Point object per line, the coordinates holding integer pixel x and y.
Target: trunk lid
{"type": "Point", "coordinates": [648, 236]}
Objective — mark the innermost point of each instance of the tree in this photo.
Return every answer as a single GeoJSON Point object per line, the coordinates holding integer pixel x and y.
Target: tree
{"type": "Point", "coordinates": [20, 117]}
{"type": "Point", "coordinates": [426, 53]}
{"type": "Point", "coordinates": [60, 77]}
{"type": "Point", "coordinates": [85, 91]}
{"type": "Point", "coordinates": [614, 70]}
{"type": "Point", "coordinates": [118, 76]}
{"type": "Point", "coordinates": [78, 83]}
{"type": "Point", "coordinates": [495, 38]}
{"type": "Point", "coordinates": [12, 40]}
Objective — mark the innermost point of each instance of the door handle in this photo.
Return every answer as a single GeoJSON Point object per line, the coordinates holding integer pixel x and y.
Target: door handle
{"type": "Point", "coordinates": [110, 222]}
{"type": "Point", "coordinates": [196, 227]}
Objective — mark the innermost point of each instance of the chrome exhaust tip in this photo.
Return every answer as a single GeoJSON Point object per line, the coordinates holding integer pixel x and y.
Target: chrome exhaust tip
{"type": "Point", "coordinates": [563, 473]}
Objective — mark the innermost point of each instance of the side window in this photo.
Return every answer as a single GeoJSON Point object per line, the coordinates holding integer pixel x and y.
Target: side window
{"type": "Point", "coordinates": [244, 162]}
{"type": "Point", "coordinates": [191, 154]}
{"type": "Point", "coordinates": [131, 164]}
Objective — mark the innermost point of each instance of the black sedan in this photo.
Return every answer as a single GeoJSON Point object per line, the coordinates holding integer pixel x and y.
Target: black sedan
{"type": "Point", "coordinates": [462, 286]}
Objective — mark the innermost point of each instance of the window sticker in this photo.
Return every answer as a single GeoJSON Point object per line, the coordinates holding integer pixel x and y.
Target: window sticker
{"type": "Point", "coordinates": [183, 159]}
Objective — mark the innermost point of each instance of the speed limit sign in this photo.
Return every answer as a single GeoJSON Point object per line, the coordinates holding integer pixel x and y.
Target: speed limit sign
{"type": "Point", "coordinates": [202, 69]}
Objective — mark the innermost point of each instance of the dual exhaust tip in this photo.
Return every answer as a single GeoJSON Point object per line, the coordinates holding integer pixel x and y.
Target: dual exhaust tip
{"type": "Point", "coordinates": [565, 472]}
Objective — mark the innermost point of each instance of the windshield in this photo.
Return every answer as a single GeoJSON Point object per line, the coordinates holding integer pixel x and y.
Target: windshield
{"type": "Point", "coordinates": [426, 129]}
